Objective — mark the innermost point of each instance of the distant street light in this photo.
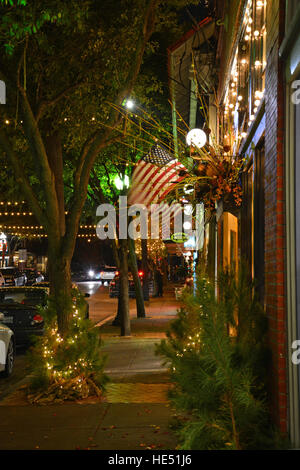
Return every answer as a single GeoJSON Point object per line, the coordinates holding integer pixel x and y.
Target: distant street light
{"type": "Point", "coordinates": [121, 184]}
{"type": "Point", "coordinates": [129, 104]}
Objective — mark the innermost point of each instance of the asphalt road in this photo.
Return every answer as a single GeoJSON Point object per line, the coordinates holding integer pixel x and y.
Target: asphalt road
{"type": "Point", "coordinates": [92, 287]}
{"type": "Point", "coordinates": [101, 305]}
{"type": "Point", "coordinates": [7, 384]}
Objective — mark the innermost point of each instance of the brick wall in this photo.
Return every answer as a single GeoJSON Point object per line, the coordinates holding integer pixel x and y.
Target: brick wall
{"type": "Point", "coordinates": [274, 213]}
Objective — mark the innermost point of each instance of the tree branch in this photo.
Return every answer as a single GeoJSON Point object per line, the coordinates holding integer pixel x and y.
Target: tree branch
{"type": "Point", "coordinates": [99, 141]}
{"type": "Point", "coordinates": [22, 179]}
{"type": "Point", "coordinates": [43, 105]}
{"type": "Point", "coordinates": [39, 152]}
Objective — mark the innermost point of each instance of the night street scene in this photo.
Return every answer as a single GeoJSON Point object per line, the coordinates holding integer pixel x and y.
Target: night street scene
{"type": "Point", "coordinates": [149, 229]}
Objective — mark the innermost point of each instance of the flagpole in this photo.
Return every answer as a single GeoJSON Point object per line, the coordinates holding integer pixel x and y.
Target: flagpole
{"type": "Point", "coordinates": [174, 116]}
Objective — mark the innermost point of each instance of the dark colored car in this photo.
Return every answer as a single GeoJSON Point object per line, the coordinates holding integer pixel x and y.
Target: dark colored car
{"type": "Point", "coordinates": [13, 277]}
{"type": "Point", "coordinates": [47, 285]}
{"type": "Point", "coordinates": [21, 315]}
{"type": "Point", "coordinates": [33, 277]}
{"type": "Point", "coordinates": [114, 286]}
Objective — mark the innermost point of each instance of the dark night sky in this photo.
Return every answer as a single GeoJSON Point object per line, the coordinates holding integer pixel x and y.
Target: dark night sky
{"type": "Point", "coordinates": [199, 12]}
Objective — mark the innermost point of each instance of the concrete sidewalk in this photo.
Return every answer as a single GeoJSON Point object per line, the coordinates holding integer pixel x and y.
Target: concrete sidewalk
{"type": "Point", "coordinates": [134, 414]}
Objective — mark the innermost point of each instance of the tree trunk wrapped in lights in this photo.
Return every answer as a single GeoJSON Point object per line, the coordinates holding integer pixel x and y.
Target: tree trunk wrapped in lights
{"type": "Point", "coordinates": [70, 366]}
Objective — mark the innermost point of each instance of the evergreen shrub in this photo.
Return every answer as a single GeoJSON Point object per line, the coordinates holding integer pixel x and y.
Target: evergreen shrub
{"type": "Point", "coordinates": [219, 364]}
{"type": "Point", "coordinates": [69, 367]}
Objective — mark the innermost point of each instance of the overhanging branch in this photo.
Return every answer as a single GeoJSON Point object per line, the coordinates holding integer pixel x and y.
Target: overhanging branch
{"type": "Point", "coordinates": [22, 179]}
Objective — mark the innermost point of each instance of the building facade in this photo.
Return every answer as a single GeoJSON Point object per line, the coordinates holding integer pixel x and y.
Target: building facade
{"type": "Point", "coordinates": [260, 118]}
{"type": "Point", "coordinates": [289, 54]}
{"type": "Point", "coordinates": [256, 115]}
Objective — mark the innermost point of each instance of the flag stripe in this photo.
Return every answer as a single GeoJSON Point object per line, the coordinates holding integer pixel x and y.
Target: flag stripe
{"type": "Point", "coordinates": [137, 179]}
{"type": "Point", "coordinates": [140, 188]}
{"type": "Point", "coordinates": [167, 191]}
{"type": "Point", "coordinates": [154, 177]}
{"type": "Point", "coordinates": [161, 178]}
{"type": "Point", "coordinates": [168, 179]}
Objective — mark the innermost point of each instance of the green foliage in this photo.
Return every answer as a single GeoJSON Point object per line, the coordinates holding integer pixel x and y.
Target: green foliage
{"type": "Point", "coordinates": [219, 362]}
{"type": "Point", "coordinates": [67, 368]}
{"type": "Point", "coordinates": [75, 59]}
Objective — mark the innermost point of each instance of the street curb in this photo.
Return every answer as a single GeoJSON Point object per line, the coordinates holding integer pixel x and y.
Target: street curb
{"type": "Point", "coordinates": [135, 371]}
{"type": "Point", "coordinates": [102, 322]}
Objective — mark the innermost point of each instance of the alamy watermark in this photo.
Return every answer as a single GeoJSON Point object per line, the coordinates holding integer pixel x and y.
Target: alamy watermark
{"type": "Point", "coordinates": [2, 353]}
{"type": "Point", "coordinates": [2, 92]}
{"type": "Point", "coordinates": [296, 353]}
{"type": "Point", "coordinates": [138, 221]}
{"type": "Point", "coordinates": [296, 344]}
{"type": "Point", "coordinates": [296, 93]}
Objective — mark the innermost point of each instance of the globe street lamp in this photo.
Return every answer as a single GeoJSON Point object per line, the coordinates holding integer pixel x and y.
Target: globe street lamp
{"type": "Point", "coordinates": [196, 138]}
{"type": "Point", "coordinates": [120, 184]}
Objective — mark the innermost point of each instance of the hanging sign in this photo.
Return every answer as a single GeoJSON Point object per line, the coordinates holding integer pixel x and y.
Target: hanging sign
{"type": "Point", "coordinates": [179, 237]}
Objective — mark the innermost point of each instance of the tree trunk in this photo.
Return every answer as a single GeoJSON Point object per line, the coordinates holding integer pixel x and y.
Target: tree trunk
{"type": "Point", "coordinates": [124, 293]}
{"type": "Point", "coordinates": [140, 306]}
{"type": "Point", "coordinates": [145, 269]}
{"type": "Point", "coordinates": [117, 319]}
{"type": "Point", "coordinates": [55, 159]}
{"type": "Point", "coordinates": [60, 287]}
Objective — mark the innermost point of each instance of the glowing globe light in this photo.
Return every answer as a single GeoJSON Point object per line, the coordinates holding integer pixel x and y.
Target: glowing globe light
{"type": "Point", "coordinates": [196, 138]}
{"type": "Point", "coordinates": [187, 225]}
{"type": "Point", "coordinates": [120, 184]}
{"type": "Point", "coordinates": [129, 104]}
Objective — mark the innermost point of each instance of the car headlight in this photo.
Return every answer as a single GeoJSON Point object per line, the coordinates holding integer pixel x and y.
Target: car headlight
{"type": "Point", "coordinates": [91, 273]}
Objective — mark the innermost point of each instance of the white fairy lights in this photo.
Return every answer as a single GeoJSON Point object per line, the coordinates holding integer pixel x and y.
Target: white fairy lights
{"type": "Point", "coordinates": [242, 104]}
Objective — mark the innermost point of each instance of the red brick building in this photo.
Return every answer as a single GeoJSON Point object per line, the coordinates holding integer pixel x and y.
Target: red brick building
{"type": "Point", "coordinates": [253, 51]}
{"type": "Point", "coordinates": [256, 114]}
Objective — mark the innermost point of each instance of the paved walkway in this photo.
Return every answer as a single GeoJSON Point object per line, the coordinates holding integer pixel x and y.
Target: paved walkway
{"type": "Point", "coordinates": [135, 413]}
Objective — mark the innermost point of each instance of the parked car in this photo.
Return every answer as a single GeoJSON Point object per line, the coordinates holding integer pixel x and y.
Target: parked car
{"type": "Point", "coordinates": [33, 277]}
{"type": "Point", "coordinates": [47, 285]}
{"type": "Point", "coordinates": [13, 276]}
{"type": "Point", "coordinates": [108, 273]}
{"type": "Point", "coordinates": [7, 349]}
{"type": "Point", "coordinates": [114, 287]}
{"type": "Point", "coordinates": [20, 313]}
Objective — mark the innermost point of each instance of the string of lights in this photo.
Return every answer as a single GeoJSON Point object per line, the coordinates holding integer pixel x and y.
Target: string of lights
{"type": "Point", "coordinates": [33, 231]}
{"type": "Point", "coordinates": [245, 90]}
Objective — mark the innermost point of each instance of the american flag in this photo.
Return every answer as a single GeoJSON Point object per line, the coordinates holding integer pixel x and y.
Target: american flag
{"type": "Point", "coordinates": [155, 176]}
